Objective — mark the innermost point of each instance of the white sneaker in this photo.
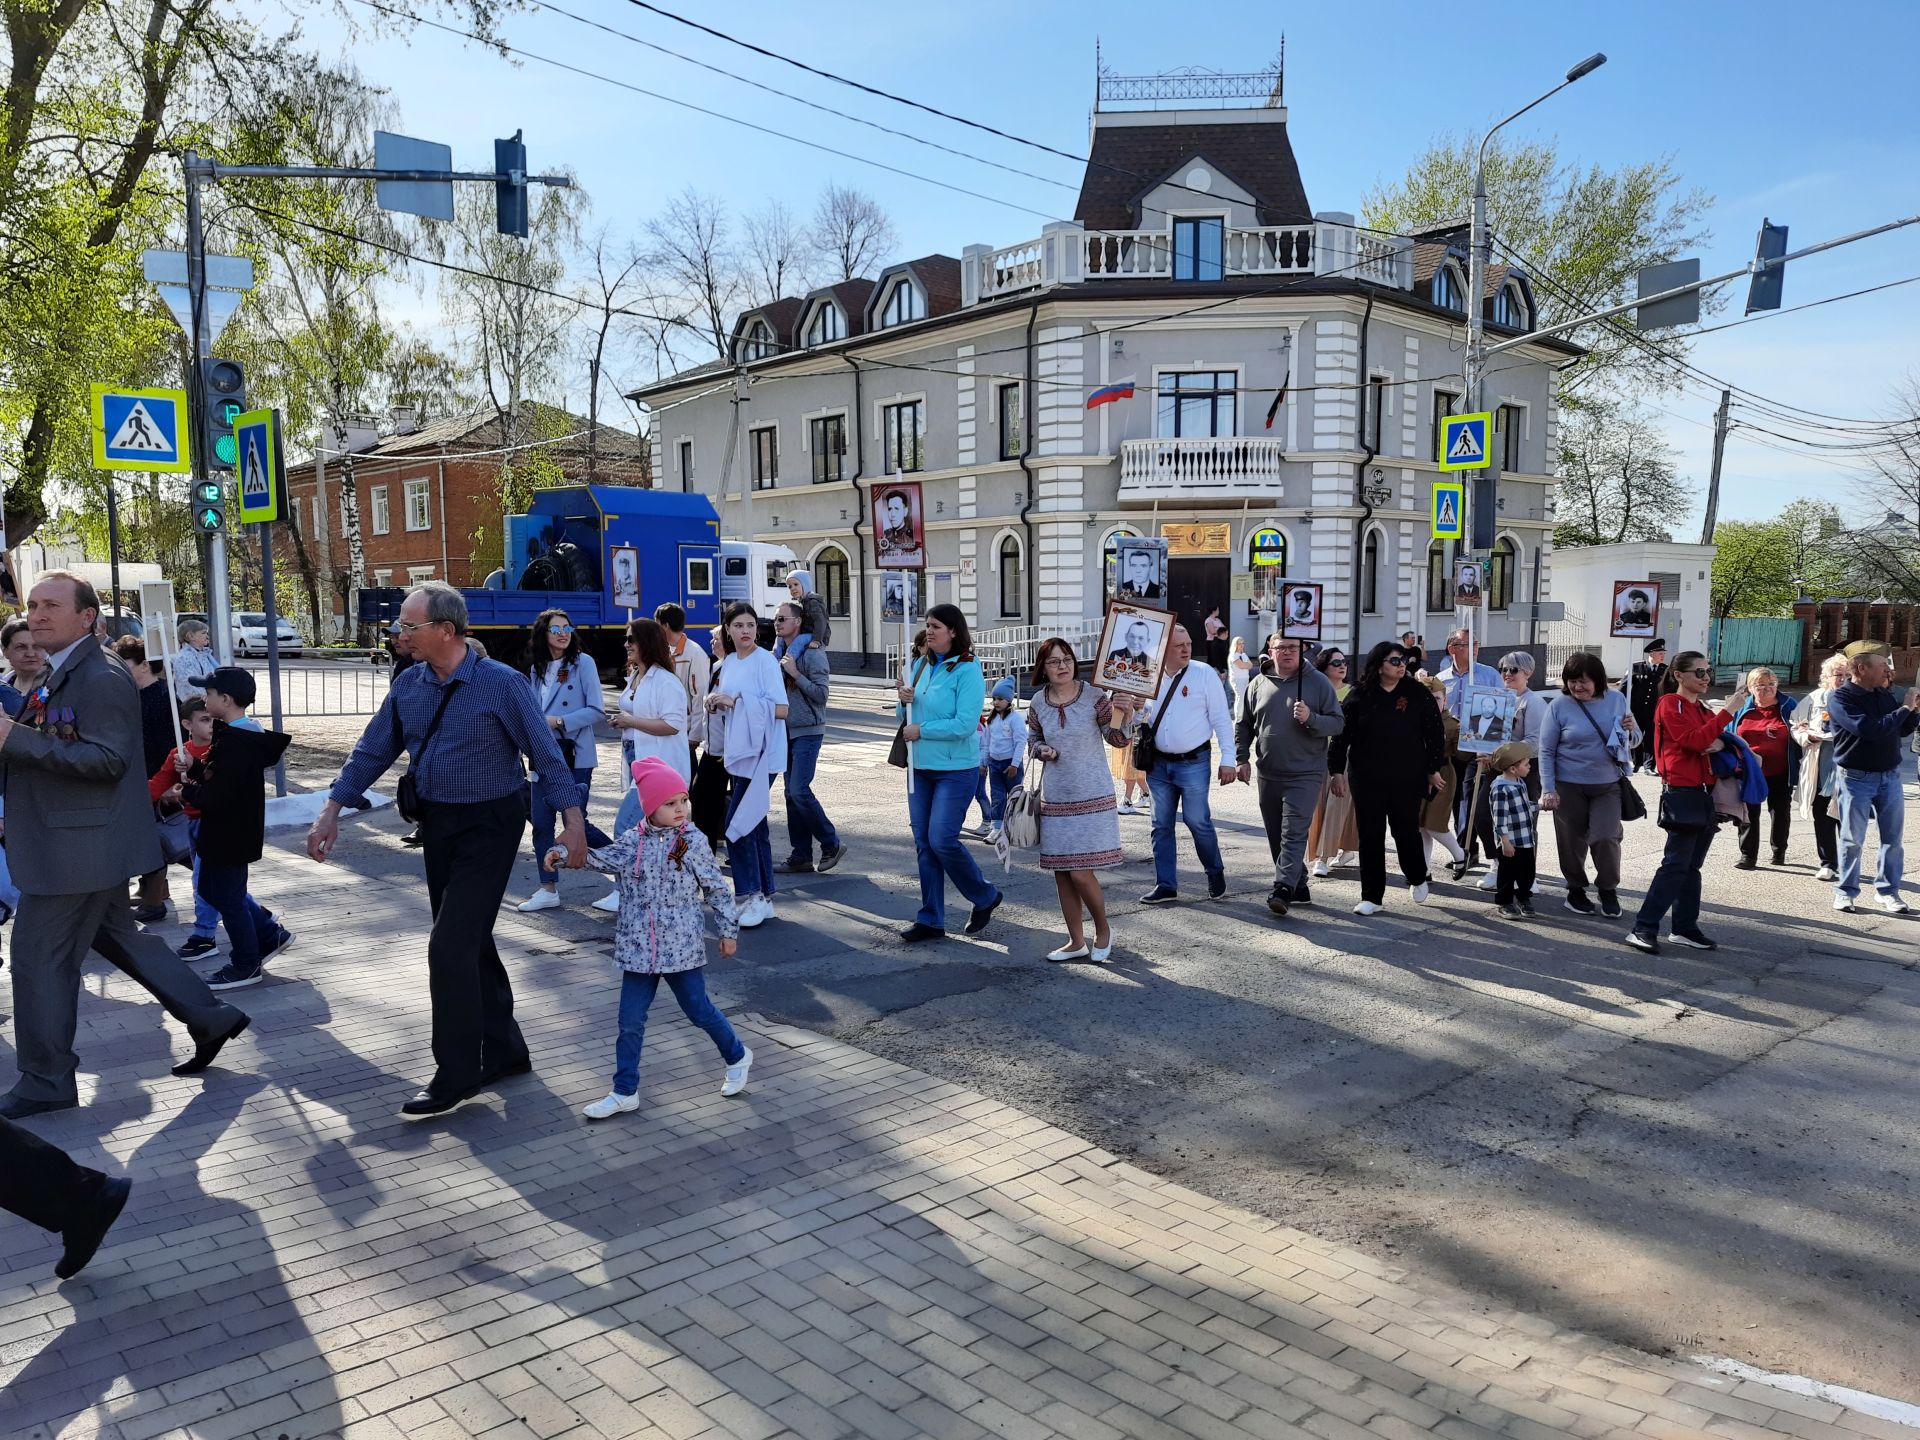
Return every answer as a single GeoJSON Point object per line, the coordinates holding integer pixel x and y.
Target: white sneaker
{"type": "Point", "coordinates": [757, 910]}
{"type": "Point", "coordinates": [1894, 905]}
{"type": "Point", "coordinates": [610, 902]}
{"type": "Point", "coordinates": [1419, 893]}
{"type": "Point", "coordinates": [1347, 857]}
{"type": "Point", "coordinates": [1367, 907]}
{"type": "Point", "coordinates": [1843, 903]}
{"type": "Point", "coordinates": [736, 1080]}
{"type": "Point", "coordinates": [1125, 808]}
{"type": "Point", "coordinates": [1827, 873]}
{"type": "Point", "coordinates": [539, 900]}
{"type": "Point", "coordinates": [993, 835]}
{"type": "Point", "coordinates": [1490, 880]}
{"type": "Point", "coordinates": [608, 1106]}
{"type": "Point", "coordinates": [1321, 869]}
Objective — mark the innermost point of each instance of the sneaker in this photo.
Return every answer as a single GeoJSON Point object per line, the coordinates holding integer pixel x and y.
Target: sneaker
{"type": "Point", "coordinates": [1278, 901]}
{"type": "Point", "coordinates": [1216, 885]}
{"type": "Point", "coordinates": [981, 831]}
{"type": "Point", "coordinates": [1526, 908]}
{"type": "Point", "coordinates": [1302, 895]}
{"type": "Point", "coordinates": [1160, 895]}
{"type": "Point", "coordinates": [609, 902]}
{"type": "Point", "coordinates": [1578, 903]}
{"type": "Point", "coordinates": [608, 1106]}
{"type": "Point", "coordinates": [794, 867]}
{"type": "Point", "coordinates": [993, 835]}
{"type": "Point", "coordinates": [754, 911]}
{"type": "Point", "coordinates": [1692, 939]}
{"type": "Point", "coordinates": [1610, 904]}
{"type": "Point", "coordinates": [1126, 809]}
{"type": "Point", "coordinates": [1348, 858]}
{"type": "Point", "coordinates": [1321, 870]}
{"type": "Point", "coordinates": [1490, 880]}
{"type": "Point", "coordinates": [1894, 905]}
{"type": "Point", "coordinates": [1844, 904]}
{"type": "Point", "coordinates": [282, 942]}
{"type": "Point", "coordinates": [1510, 911]}
{"type": "Point", "coordinates": [231, 977]}
{"type": "Point", "coordinates": [830, 857]}
{"type": "Point", "coordinates": [1367, 907]}
{"type": "Point", "coordinates": [196, 946]}
{"type": "Point", "coordinates": [736, 1080]}
{"type": "Point", "coordinates": [1826, 873]}
{"type": "Point", "coordinates": [1419, 892]}
{"type": "Point", "coordinates": [1642, 942]}
{"type": "Point", "coordinates": [542, 899]}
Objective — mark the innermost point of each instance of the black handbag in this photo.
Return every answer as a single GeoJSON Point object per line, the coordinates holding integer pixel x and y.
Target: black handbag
{"type": "Point", "coordinates": [1632, 807]}
{"type": "Point", "coordinates": [406, 794]}
{"type": "Point", "coordinates": [1145, 751]}
{"type": "Point", "coordinates": [1685, 808]}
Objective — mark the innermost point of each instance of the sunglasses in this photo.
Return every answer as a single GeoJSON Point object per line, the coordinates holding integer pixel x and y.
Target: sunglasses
{"type": "Point", "coordinates": [1394, 660]}
{"type": "Point", "coordinates": [1342, 664]}
{"type": "Point", "coordinates": [1699, 674]}
{"type": "Point", "coordinates": [1511, 670]}
{"type": "Point", "coordinates": [559, 629]}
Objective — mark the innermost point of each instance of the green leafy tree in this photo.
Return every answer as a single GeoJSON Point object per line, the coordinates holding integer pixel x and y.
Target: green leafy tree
{"type": "Point", "coordinates": [1752, 569]}
{"type": "Point", "coordinates": [1616, 477]}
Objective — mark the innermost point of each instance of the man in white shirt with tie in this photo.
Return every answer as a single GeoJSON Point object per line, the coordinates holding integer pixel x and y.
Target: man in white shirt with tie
{"type": "Point", "coordinates": [1189, 714]}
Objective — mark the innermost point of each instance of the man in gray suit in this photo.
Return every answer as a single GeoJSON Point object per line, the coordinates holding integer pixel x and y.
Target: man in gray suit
{"type": "Point", "coordinates": [79, 826]}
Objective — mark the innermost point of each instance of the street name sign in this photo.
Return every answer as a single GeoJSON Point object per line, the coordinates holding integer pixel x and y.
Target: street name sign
{"type": "Point", "coordinates": [140, 430]}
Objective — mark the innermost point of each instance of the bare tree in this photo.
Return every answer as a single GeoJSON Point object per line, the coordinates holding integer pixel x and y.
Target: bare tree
{"type": "Point", "coordinates": [620, 277]}
{"type": "Point", "coordinates": [778, 255]}
{"type": "Point", "coordinates": [694, 253]}
{"type": "Point", "coordinates": [851, 233]}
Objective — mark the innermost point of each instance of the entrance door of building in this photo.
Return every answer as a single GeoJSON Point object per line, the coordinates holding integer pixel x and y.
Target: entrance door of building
{"type": "Point", "coordinates": [1198, 584]}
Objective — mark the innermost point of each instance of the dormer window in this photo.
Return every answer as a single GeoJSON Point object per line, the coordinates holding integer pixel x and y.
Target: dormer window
{"type": "Point", "coordinates": [1448, 288]}
{"type": "Point", "coordinates": [1198, 247]}
{"type": "Point", "coordinates": [826, 326]}
{"type": "Point", "coordinates": [757, 343]}
{"type": "Point", "coordinates": [1510, 307]}
{"type": "Point", "coordinates": [903, 304]}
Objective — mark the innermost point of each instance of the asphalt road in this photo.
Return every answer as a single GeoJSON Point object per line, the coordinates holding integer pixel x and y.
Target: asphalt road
{"type": "Point", "coordinates": [1713, 1153]}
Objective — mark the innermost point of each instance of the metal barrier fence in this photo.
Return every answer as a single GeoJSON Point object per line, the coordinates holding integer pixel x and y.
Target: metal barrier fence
{"type": "Point", "coordinates": [1010, 650]}
{"type": "Point", "coordinates": [355, 683]}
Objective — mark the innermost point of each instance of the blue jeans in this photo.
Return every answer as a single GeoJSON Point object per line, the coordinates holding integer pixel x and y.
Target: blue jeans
{"type": "Point", "coordinates": [1185, 782]}
{"type": "Point", "coordinates": [1676, 884]}
{"type": "Point", "coordinates": [543, 824]}
{"type": "Point", "coordinates": [806, 820]}
{"type": "Point", "coordinates": [1863, 794]}
{"type": "Point", "coordinates": [636, 998]}
{"type": "Point", "coordinates": [752, 854]}
{"type": "Point", "coordinates": [206, 919]}
{"type": "Point", "coordinates": [225, 888]}
{"type": "Point", "coordinates": [998, 785]}
{"type": "Point", "coordinates": [937, 808]}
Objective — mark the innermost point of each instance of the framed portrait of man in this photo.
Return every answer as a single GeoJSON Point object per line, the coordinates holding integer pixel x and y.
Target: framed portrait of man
{"type": "Point", "coordinates": [1486, 718]}
{"type": "Point", "coordinates": [1299, 610]}
{"type": "Point", "coordinates": [626, 576]}
{"type": "Point", "coordinates": [1140, 569]}
{"type": "Point", "coordinates": [899, 597]}
{"type": "Point", "coordinates": [899, 526]}
{"type": "Point", "coordinates": [1466, 584]}
{"type": "Point", "coordinates": [1133, 649]}
{"type": "Point", "coordinates": [1636, 609]}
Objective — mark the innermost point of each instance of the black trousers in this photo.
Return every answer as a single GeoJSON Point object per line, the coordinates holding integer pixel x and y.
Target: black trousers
{"type": "Point", "coordinates": [1375, 811]}
{"type": "Point", "coordinates": [1780, 815]}
{"type": "Point", "coordinates": [38, 1181]}
{"type": "Point", "coordinates": [470, 850]}
{"type": "Point", "coordinates": [1516, 875]}
{"type": "Point", "coordinates": [707, 797]}
{"type": "Point", "coordinates": [1826, 830]}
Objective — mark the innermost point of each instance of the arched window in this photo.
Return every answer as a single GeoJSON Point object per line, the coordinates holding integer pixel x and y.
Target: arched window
{"type": "Point", "coordinates": [1370, 574]}
{"type": "Point", "coordinates": [1448, 287]}
{"type": "Point", "coordinates": [825, 325]}
{"type": "Point", "coordinates": [1502, 566]}
{"type": "Point", "coordinates": [1011, 578]}
{"type": "Point", "coordinates": [1439, 580]}
{"type": "Point", "coordinates": [1107, 556]}
{"type": "Point", "coordinates": [830, 579]}
{"type": "Point", "coordinates": [757, 344]}
{"type": "Point", "coordinates": [1266, 578]}
{"type": "Point", "coordinates": [1509, 307]}
{"type": "Point", "coordinates": [902, 303]}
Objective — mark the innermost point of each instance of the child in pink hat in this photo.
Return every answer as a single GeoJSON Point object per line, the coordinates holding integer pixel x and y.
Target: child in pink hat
{"type": "Point", "coordinates": [665, 872]}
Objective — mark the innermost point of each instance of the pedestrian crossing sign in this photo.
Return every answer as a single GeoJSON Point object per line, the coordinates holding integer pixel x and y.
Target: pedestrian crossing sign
{"type": "Point", "coordinates": [1463, 441]}
{"type": "Point", "coordinates": [1449, 501]}
{"type": "Point", "coordinates": [140, 429]}
{"type": "Point", "coordinates": [256, 438]}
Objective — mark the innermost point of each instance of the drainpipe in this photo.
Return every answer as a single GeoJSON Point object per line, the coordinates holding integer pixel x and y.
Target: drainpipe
{"type": "Point", "coordinates": [1360, 484]}
{"type": "Point", "coordinates": [859, 500]}
{"type": "Point", "coordinates": [446, 562]}
{"type": "Point", "coordinates": [1026, 468]}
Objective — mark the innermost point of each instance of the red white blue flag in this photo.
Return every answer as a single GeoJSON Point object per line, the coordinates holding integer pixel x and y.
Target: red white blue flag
{"type": "Point", "coordinates": [1107, 394]}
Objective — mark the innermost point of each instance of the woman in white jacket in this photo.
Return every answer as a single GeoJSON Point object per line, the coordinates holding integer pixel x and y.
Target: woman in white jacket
{"type": "Point", "coordinates": [566, 687]}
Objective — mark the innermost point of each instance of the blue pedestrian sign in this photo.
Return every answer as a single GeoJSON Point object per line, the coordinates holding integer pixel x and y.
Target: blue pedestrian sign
{"type": "Point", "coordinates": [257, 466]}
{"type": "Point", "coordinates": [1463, 441]}
{"type": "Point", "coordinates": [1449, 500]}
{"type": "Point", "coordinates": [140, 429]}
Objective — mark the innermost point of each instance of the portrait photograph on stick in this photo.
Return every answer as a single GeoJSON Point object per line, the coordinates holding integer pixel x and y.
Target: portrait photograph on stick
{"type": "Point", "coordinates": [899, 526]}
{"type": "Point", "coordinates": [1636, 609]}
{"type": "Point", "coordinates": [1133, 649]}
{"type": "Point", "coordinates": [1140, 569]}
{"type": "Point", "coordinates": [899, 596]}
{"type": "Point", "coordinates": [626, 577]}
{"type": "Point", "coordinates": [1300, 610]}
{"type": "Point", "coordinates": [1466, 584]}
{"type": "Point", "coordinates": [1487, 718]}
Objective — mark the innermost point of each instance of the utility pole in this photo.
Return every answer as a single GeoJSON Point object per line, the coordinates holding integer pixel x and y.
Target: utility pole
{"type": "Point", "coordinates": [1713, 482]}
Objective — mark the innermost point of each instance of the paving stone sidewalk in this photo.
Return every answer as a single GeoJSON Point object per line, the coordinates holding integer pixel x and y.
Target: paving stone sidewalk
{"type": "Point", "coordinates": [850, 1248]}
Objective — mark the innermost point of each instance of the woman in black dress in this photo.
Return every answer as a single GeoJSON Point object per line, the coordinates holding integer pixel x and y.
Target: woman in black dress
{"type": "Point", "coordinates": [1392, 752]}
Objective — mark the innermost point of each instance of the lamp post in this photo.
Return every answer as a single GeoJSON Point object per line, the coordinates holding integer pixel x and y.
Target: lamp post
{"type": "Point", "coordinates": [1480, 246]}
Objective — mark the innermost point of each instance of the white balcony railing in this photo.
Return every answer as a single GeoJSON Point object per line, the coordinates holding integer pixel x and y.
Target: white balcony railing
{"type": "Point", "coordinates": [1066, 254]}
{"type": "Point", "coordinates": [1200, 467]}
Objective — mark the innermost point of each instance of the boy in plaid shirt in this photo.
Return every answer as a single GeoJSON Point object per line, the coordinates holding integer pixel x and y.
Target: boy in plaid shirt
{"type": "Point", "coordinates": [1513, 829]}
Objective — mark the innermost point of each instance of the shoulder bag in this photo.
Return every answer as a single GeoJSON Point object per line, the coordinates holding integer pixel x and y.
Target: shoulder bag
{"type": "Point", "coordinates": [1021, 823]}
{"type": "Point", "coordinates": [1145, 751]}
{"type": "Point", "coordinates": [406, 795]}
{"type": "Point", "coordinates": [176, 837]}
{"type": "Point", "coordinates": [897, 752]}
{"type": "Point", "coordinates": [1683, 808]}
{"type": "Point", "coordinates": [1632, 807]}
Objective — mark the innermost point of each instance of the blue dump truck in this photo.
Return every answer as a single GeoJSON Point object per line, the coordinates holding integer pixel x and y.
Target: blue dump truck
{"type": "Point", "coordinates": [604, 554]}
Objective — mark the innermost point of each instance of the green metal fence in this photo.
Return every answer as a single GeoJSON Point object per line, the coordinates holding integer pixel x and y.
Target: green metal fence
{"type": "Point", "coordinates": [1739, 644]}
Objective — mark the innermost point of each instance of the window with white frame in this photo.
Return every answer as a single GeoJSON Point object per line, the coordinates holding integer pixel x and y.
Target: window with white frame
{"type": "Point", "coordinates": [1510, 307]}
{"type": "Point", "coordinates": [1198, 247]}
{"type": "Point", "coordinates": [1012, 433]}
{"type": "Point", "coordinates": [766, 457]}
{"type": "Point", "coordinates": [1448, 287]}
{"type": "Point", "coordinates": [382, 579]}
{"type": "Point", "coordinates": [381, 523]}
{"type": "Point", "coordinates": [1010, 578]}
{"type": "Point", "coordinates": [903, 433]}
{"type": "Point", "coordinates": [902, 304]}
{"type": "Point", "coordinates": [826, 325]}
{"type": "Point", "coordinates": [419, 574]}
{"type": "Point", "coordinates": [1198, 402]}
{"type": "Point", "coordinates": [1377, 393]}
{"type": "Point", "coordinates": [827, 439]}
{"type": "Point", "coordinates": [757, 343]}
{"type": "Point", "coordinates": [419, 506]}
{"type": "Point", "coordinates": [830, 579]}
{"type": "Point", "coordinates": [1370, 574]}
{"type": "Point", "coordinates": [319, 517]}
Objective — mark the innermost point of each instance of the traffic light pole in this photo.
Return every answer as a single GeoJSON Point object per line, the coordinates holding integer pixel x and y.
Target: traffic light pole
{"type": "Point", "coordinates": [219, 609]}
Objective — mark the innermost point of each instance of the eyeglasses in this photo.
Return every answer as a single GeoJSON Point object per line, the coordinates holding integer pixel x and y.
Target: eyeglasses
{"type": "Point", "coordinates": [1394, 660]}
{"type": "Point", "coordinates": [407, 627]}
{"type": "Point", "coordinates": [559, 629]}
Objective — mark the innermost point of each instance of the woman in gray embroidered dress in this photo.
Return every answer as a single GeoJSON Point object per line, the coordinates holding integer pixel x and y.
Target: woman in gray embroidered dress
{"type": "Point", "coordinates": [1067, 722]}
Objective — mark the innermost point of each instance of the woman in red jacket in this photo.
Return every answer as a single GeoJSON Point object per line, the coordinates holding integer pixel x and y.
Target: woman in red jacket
{"type": "Point", "coordinates": [1685, 733]}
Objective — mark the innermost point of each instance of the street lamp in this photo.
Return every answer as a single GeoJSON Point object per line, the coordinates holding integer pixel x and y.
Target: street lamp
{"type": "Point", "coordinates": [1480, 246]}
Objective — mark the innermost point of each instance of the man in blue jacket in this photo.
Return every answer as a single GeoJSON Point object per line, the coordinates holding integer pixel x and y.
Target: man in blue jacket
{"type": "Point", "coordinates": [1868, 725]}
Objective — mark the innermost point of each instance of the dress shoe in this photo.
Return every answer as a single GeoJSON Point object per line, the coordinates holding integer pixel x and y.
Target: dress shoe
{"type": "Point", "coordinates": [206, 1047]}
{"type": "Point", "coordinates": [917, 932]}
{"type": "Point", "coordinates": [1160, 895]}
{"type": "Point", "coordinates": [977, 921]}
{"type": "Point", "coordinates": [1217, 885]}
{"type": "Point", "coordinates": [83, 1234]}
{"type": "Point", "coordinates": [150, 914]}
{"type": "Point", "coordinates": [507, 1071]}
{"type": "Point", "coordinates": [430, 1102]}
{"type": "Point", "coordinates": [18, 1107]}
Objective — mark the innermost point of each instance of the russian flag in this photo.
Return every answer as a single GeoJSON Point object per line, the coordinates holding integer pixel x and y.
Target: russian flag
{"type": "Point", "coordinates": [1107, 394]}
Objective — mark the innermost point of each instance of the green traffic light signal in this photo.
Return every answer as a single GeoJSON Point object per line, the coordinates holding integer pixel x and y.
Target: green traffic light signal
{"type": "Point", "coordinates": [225, 449]}
{"type": "Point", "coordinates": [207, 492]}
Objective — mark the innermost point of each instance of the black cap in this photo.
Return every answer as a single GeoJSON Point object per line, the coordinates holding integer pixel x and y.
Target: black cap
{"type": "Point", "coordinates": [233, 682]}
{"type": "Point", "coordinates": [1653, 645]}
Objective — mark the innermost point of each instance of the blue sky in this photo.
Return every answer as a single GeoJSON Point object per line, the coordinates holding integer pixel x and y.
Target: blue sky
{"type": "Point", "coordinates": [1802, 114]}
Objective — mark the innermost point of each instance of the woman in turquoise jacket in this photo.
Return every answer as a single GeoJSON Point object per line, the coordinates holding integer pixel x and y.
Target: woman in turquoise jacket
{"type": "Point", "coordinates": [946, 689]}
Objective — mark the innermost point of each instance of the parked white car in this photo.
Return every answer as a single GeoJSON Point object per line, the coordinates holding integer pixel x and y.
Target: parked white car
{"type": "Point", "coordinates": [250, 634]}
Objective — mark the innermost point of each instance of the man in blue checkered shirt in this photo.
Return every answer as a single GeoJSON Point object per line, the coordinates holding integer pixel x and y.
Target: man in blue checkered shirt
{"type": "Point", "coordinates": [1513, 828]}
{"type": "Point", "coordinates": [465, 722]}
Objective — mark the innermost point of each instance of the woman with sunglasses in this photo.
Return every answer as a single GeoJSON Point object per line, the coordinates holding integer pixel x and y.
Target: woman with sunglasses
{"type": "Point", "coordinates": [1516, 673]}
{"type": "Point", "coordinates": [1331, 838]}
{"type": "Point", "coordinates": [1685, 734]}
{"type": "Point", "coordinates": [1391, 753]}
{"type": "Point", "coordinates": [566, 687]}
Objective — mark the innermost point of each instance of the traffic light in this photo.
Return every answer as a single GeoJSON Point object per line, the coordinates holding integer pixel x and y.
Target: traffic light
{"type": "Point", "coordinates": [223, 397]}
{"type": "Point", "coordinates": [510, 195]}
{"type": "Point", "coordinates": [1763, 291]}
{"type": "Point", "coordinates": [209, 507]}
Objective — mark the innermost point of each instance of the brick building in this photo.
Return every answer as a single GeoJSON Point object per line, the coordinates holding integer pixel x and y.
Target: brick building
{"type": "Point", "coordinates": [1830, 625]}
{"type": "Point", "coordinates": [426, 490]}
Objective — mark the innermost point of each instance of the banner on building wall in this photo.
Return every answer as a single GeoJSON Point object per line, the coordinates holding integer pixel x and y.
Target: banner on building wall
{"type": "Point", "coordinates": [899, 526]}
{"type": "Point", "coordinates": [1208, 538]}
